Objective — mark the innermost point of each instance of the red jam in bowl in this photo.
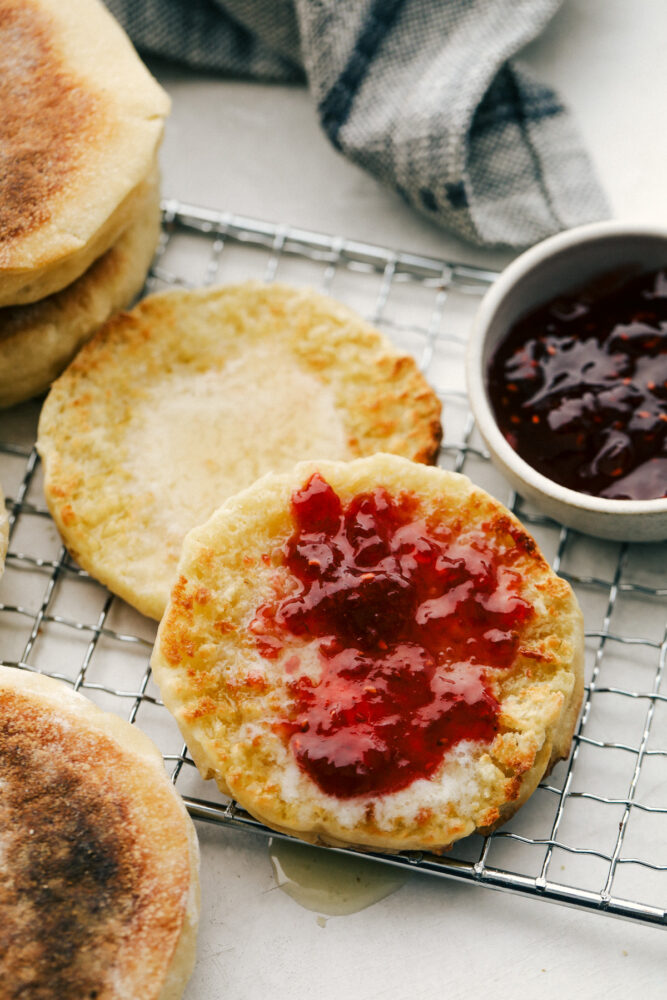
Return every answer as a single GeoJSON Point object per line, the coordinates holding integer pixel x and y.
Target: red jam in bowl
{"type": "Point", "coordinates": [407, 619]}
{"type": "Point", "coordinates": [579, 389]}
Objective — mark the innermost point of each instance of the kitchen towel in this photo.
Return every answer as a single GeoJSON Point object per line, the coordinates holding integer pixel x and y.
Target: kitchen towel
{"type": "Point", "coordinates": [424, 94]}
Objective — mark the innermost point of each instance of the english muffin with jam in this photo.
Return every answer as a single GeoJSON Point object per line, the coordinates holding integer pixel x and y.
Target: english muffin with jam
{"type": "Point", "coordinates": [372, 653]}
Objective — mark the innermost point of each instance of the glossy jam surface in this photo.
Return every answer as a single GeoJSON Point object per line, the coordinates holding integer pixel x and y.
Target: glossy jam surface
{"type": "Point", "coordinates": [579, 390]}
{"type": "Point", "coordinates": [407, 621]}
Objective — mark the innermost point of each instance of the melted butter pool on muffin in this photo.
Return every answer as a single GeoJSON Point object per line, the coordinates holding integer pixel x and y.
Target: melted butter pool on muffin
{"type": "Point", "coordinates": [204, 422]}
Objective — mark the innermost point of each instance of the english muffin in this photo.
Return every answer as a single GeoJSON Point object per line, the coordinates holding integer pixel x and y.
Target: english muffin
{"type": "Point", "coordinates": [371, 653]}
{"type": "Point", "coordinates": [38, 340]}
{"type": "Point", "coordinates": [99, 892]}
{"type": "Point", "coordinates": [193, 395]}
{"type": "Point", "coordinates": [81, 119]}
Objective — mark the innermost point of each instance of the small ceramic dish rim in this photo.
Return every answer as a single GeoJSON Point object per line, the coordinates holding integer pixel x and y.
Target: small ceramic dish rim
{"type": "Point", "coordinates": [623, 520]}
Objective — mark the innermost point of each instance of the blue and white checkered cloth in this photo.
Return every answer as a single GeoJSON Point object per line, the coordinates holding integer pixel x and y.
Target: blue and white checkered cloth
{"type": "Point", "coordinates": [424, 94]}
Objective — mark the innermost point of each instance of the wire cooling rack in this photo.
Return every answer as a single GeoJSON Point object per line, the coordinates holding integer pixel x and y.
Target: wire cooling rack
{"type": "Point", "coordinates": [594, 834]}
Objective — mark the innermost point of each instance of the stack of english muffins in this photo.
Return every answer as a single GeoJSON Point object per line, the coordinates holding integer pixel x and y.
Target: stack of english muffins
{"type": "Point", "coordinates": [81, 121]}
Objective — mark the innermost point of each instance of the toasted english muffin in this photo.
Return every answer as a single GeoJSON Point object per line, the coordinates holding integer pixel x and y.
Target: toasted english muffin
{"type": "Point", "coordinates": [192, 396]}
{"type": "Point", "coordinates": [99, 891]}
{"type": "Point", "coordinates": [38, 340]}
{"type": "Point", "coordinates": [371, 653]}
{"type": "Point", "coordinates": [81, 119]}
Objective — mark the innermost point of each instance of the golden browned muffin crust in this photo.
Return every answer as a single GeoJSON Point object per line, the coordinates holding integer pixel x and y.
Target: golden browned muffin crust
{"type": "Point", "coordinates": [80, 122]}
{"type": "Point", "coordinates": [40, 99]}
{"type": "Point", "coordinates": [237, 680]}
{"type": "Point", "coordinates": [98, 871]}
{"type": "Point", "coordinates": [39, 339]}
{"type": "Point", "coordinates": [192, 396]}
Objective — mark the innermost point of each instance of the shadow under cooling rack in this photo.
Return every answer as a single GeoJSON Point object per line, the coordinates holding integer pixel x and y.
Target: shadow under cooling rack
{"type": "Point", "coordinates": [594, 834]}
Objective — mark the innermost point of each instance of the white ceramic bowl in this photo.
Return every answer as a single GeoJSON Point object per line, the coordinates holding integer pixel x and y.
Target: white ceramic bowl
{"type": "Point", "coordinates": [562, 264]}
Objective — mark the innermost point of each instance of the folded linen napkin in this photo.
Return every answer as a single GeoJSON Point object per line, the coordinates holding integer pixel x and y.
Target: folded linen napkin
{"type": "Point", "coordinates": [424, 94]}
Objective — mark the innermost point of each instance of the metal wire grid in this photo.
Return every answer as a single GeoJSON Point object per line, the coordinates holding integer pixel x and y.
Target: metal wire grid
{"type": "Point", "coordinates": [593, 835]}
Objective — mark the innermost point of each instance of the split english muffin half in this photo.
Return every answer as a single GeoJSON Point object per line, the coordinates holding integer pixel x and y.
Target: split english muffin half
{"type": "Point", "coordinates": [193, 395]}
{"type": "Point", "coordinates": [372, 653]}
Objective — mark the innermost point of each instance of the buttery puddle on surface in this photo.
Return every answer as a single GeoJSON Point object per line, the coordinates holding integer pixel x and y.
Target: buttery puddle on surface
{"type": "Point", "coordinates": [330, 883]}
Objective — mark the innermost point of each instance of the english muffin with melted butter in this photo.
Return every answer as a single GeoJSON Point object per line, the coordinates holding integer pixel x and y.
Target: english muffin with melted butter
{"type": "Point", "coordinates": [193, 395]}
{"type": "Point", "coordinates": [372, 653]}
{"type": "Point", "coordinates": [81, 119]}
{"type": "Point", "coordinates": [38, 340]}
{"type": "Point", "coordinates": [99, 892]}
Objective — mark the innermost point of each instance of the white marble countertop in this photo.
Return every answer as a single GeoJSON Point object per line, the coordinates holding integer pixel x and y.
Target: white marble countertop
{"type": "Point", "coordinates": [257, 150]}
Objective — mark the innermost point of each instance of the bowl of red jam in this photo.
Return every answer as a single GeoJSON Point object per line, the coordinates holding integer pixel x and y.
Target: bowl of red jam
{"type": "Point", "coordinates": [567, 378]}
